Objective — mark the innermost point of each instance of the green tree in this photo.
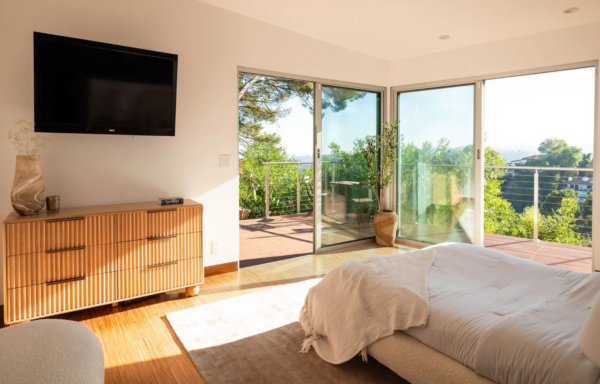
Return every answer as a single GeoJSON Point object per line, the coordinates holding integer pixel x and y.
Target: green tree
{"type": "Point", "coordinates": [553, 153]}
{"type": "Point", "coordinates": [261, 99]}
{"type": "Point", "coordinates": [499, 215]}
{"type": "Point", "coordinates": [553, 200]}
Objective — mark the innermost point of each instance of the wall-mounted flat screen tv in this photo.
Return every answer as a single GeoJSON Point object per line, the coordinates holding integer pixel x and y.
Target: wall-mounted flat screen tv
{"type": "Point", "coordinates": [88, 87]}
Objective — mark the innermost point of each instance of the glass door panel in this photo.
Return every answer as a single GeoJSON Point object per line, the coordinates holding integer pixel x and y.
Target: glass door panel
{"type": "Point", "coordinates": [436, 164]}
{"type": "Point", "coordinates": [347, 204]}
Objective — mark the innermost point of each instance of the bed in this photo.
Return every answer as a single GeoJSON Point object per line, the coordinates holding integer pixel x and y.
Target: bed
{"type": "Point", "coordinates": [496, 318]}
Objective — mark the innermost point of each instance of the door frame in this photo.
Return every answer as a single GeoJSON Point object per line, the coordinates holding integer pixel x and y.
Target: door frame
{"type": "Point", "coordinates": [317, 130]}
{"type": "Point", "coordinates": [480, 129]}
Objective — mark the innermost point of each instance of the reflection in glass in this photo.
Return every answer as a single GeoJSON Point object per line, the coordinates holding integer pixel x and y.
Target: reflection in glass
{"type": "Point", "coordinates": [436, 164]}
{"type": "Point", "coordinates": [348, 206]}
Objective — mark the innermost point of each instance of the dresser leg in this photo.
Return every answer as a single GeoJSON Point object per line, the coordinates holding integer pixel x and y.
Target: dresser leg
{"type": "Point", "coordinates": [193, 290]}
{"type": "Point", "coordinates": [115, 304]}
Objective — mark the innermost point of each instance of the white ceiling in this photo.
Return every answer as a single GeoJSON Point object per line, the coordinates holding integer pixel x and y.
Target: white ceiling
{"type": "Point", "coordinates": [395, 29]}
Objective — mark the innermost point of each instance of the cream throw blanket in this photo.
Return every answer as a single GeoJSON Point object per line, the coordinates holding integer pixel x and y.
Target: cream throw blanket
{"type": "Point", "coordinates": [364, 300]}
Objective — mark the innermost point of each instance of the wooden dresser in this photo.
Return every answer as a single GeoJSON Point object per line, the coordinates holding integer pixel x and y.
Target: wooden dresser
{"type": "Point", "coordinates": [57, 262]}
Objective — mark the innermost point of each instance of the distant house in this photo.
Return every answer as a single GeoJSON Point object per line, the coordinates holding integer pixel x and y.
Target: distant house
{"type": "Point", "coordinates": [583, 186]}
{"type": "Point", "coordinates": [513, 163]}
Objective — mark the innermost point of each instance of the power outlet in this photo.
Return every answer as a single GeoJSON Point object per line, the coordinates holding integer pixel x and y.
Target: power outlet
{"type": "Point", "coordinates": [215, 247]}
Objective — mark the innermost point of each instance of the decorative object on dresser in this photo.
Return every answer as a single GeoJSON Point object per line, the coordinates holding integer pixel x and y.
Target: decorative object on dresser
{"type": "Point", "coordinates": [384, 148]}
{"type": "Point", "coordinates": [170, 200]}
{"type": "Point", "coordinates": [78, 258]}
{"type": "Point", "coordinates": [52, 203]}
{"type": "Point", "coordinates": [28, 192]}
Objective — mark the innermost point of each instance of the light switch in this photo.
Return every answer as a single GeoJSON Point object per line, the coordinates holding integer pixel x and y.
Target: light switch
{"type": "Point", "coordinates": [224, 161]}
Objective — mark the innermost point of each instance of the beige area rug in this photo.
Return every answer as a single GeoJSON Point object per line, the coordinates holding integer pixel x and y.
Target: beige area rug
{"type": "Point", "coordinates": [256, 338]}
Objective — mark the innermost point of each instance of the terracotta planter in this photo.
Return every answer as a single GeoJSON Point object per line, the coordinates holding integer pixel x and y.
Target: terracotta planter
{"type": "Point", "coordinates": [28, 194]}
{"type": "Point", "coordinates": [386, 224]}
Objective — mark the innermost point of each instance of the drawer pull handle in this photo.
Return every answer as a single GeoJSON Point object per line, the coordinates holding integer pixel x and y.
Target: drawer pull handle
{"type": "Point", "coordinates": [65, 280]}
{"type": "Point", "coordinates": [161, 237]}
{"type": "Point", "coordinates": [66, 219]}
{"type": "Point", "coordinates": [66, 249]}
{"type": "Point", "coordinates": [163, 210]}
{"type": "Point", "coordinates": [162, 265]}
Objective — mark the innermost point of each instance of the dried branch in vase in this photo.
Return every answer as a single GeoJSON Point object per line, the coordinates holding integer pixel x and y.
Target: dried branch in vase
{"type": "Point", "coordinates": [25, 140]}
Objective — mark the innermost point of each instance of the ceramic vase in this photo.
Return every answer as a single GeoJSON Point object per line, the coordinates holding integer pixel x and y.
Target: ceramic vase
{"type": "Point", "coordinates": [28, 194]}
{"type": "Point", "coordinates": [386, 224]}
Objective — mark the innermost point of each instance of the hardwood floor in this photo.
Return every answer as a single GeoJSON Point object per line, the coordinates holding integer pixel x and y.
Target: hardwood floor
{"type": "Point", "coordinates": [139, 345]}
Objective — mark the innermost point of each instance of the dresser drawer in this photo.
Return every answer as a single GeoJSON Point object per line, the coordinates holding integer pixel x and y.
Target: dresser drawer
{"type": "Point", "coordinates": [141, 253]}
{"type": "Point", "coordinates": [159, 277]}
{"type": "Point", "coordinates": [51, 298]}
{"type": "Point", "coordinates": [56, 234]}
{"type": "Point", "coordinates": [65, 233]}
{"type": "Point", "coordinates": [159, 223]}
{"type": "Point", "coordinates": [24, 238]}
{"type": "Point", "coordinates": [38, 268]}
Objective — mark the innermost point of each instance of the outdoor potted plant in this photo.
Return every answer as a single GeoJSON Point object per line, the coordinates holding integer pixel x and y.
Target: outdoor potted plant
{"type": "Point", "coordinates": [380, 173]}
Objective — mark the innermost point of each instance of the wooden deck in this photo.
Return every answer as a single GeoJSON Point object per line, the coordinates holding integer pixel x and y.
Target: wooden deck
{"type": "Point", "coordinates": [571, 257]}
{"type": "Point", "coordinates": [276, 238]}
{"type": "Point", "coordinates": [283, 237]}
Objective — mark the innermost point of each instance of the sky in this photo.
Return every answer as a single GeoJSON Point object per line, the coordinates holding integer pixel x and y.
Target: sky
{"type": "Point", "coordinates": [359, 119]}
{"type": "Point", "coordinates": [432, 114]}
{"type": "Point", "coordinates": [519, 112]}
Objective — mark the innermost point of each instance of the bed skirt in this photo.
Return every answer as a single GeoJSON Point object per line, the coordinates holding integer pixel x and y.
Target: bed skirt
{"type": "Point", "coordinates": [420, 364]}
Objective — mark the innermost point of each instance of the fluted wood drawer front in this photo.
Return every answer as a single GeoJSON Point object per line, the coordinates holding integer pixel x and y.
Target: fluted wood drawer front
{"type": "Point", "coordinates": [191, 271]}
{"type": "Point", "coordinates": [140, 253]}
{"type": "Point", "coordinates": [101, 229]}
{"type": "Point", "coordinates": [163, 223]}
{"type": "Point", "coordinates": [132, 226]}
{"type": "Point", "coordinates": [158, 278]}
{"type": "Point", "coordinates": [190, 219]}
{"type": "Point", "coordinates": [50, 235]}
{"type": "Point", "coordinates": [159, 223]}
{"type": "Point", "coordinates": [190, 245]}
{"type": "Point", "coordinates": [46, 299]}
{"type": "Point", "coordinates": [21, 270]}
{"type": "Point", "coordinates": [65, 233]}
{"type": "Point", "coordinates": [24, 238]}
{"type": "Point", "coordinates": [44, 267]}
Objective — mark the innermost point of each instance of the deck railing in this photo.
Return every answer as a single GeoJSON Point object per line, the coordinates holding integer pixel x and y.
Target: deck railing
{"type": "Point", "coordinates": [299, 199]}
{"type": "Point", "coordinates": [528, 178]}
{"type": "Point", "coordinates": [517, 182]}
{"type": "Point", "coordinates": [289, 201]}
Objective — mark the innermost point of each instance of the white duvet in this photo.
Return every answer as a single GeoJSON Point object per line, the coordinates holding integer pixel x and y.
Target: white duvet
{"type": "Point", "coordinates": [509, 319]}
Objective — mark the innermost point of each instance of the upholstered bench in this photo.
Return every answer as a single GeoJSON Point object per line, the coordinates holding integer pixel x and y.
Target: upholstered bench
{"type": "Point", "coordinates": [50, 351]}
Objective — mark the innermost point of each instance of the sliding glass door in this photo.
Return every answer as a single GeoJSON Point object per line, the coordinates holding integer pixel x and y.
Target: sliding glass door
{"type": "Point", "coordinates": [347, 205]}
{"type": "Point", "coordinates": [436, 178]}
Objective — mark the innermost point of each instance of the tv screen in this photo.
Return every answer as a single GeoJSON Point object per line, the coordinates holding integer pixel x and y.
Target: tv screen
{"type": "Point", "coordinates": [87, 87]}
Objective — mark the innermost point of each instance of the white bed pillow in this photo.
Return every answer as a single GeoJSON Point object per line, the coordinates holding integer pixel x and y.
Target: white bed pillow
{"type": "Point", "coordinates": [589, 338]}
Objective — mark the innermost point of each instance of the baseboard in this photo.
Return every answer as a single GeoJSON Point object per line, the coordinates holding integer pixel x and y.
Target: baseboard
{"type": "Point", "coordinates": [220, 269]}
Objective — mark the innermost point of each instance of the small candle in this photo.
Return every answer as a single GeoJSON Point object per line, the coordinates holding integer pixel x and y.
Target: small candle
{"type": "Point", "coordinates": [53, 203]}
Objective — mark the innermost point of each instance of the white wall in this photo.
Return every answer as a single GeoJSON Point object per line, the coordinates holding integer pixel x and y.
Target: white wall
{"type": "Point", "coordinates": [557, 47]}
{"type": "Point", "coordinates": [211, 44]}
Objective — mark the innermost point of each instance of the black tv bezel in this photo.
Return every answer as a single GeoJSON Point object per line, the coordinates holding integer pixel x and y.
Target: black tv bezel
{"type": "Point", "coordinates": [38, 37]}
